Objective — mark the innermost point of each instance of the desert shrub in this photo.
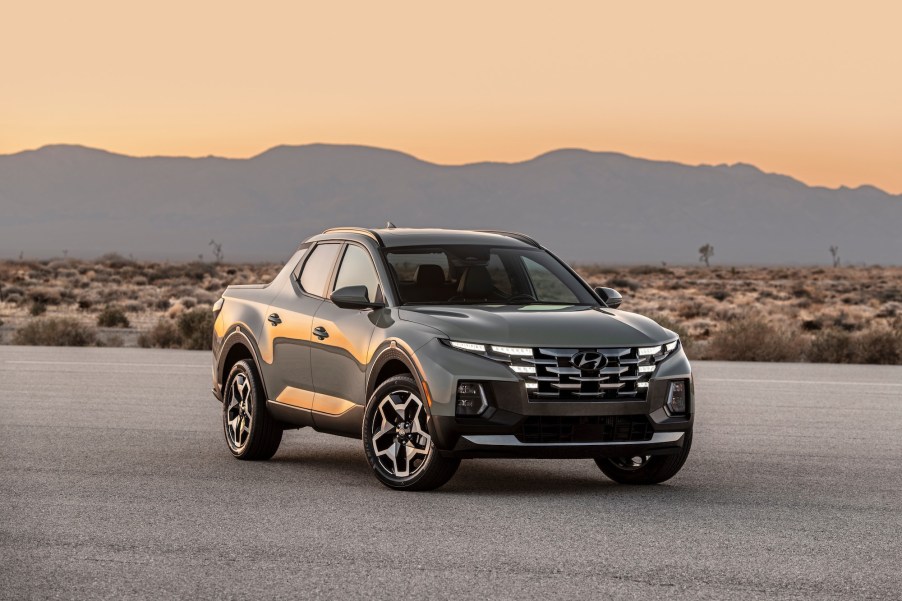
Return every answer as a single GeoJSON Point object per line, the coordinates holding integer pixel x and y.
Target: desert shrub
{"type": "Point", "coordinates": [85, 303]}
{"type": "Point", "coordinates": [163, 334]}
{"type": "Point", "coordinates": [112, 317]}
{"type": "Point", "coordinates": [55, 331]}
{"type": "Point", "coordinates": [189, 302]}
{"type": "Point", "coordinates": [890, 309]}
{"type": "Point", "coordinates": [115, 260]}
{"type": "Point", "coordinates": [37, 308]}
{"type": "Point", "coordinates": [44, 295]}
{"type": "Point", "coordinates": [206, 298]}
{"type": "Point", "coordinates": [624, 284]}
{"type": "Point", "coordinates": [649, 270]}
{"type": "Point", "coordinates": [878, 345]}
{"type": "Point", "coordinates": [719, 295]}
{"type": "Point", "coordinates": [831, 346]}
{"type": "Point", "coordinates": [692, 309]}
{"type": "Point", "coordinates": [845, 322]}
{"type": "Point", "coordinates": [196, 329]}
{"type": "Point", "coordinates": [161, 304]}
{"type": "Point", "coordinates": [888, 294]}
{"type": "Point", "coordinates": [14, 299]}
{"type": "Point", "coordinates": [751, 338]}
{"type": "Point", "coordinates": [133, 306]}
{"type": "Point", "coordinates": [812, 325]}
{"type": "Point", "coordinates": [800, 291]}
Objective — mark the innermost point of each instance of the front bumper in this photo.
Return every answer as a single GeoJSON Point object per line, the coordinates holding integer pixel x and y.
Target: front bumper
{"type": "Point", "coordinates": [502, 430]}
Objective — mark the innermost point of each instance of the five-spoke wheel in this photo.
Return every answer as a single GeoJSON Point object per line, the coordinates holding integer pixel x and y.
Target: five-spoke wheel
{"type": "Point", "coordinates": [396, 438]}
{"type": "Point", "coordinates": [250, 431]}
{"type": "Point", "coordinates": [238, 412]}
{"type": "Point", "coordinates": [399, 433]}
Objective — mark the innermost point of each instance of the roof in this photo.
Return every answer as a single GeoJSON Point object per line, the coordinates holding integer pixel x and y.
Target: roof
{"type": "Point", "coordinates": [400, 236]}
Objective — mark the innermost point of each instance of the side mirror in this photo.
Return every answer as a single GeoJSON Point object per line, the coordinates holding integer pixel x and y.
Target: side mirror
{"type": "Point", "coordinates": [609, 296]}
{"type": "Point", "coordinates": [353, 297]}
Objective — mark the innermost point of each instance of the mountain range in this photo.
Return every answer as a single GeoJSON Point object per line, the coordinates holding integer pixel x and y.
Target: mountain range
{"type": "Point", "coordinates": [586, 206]}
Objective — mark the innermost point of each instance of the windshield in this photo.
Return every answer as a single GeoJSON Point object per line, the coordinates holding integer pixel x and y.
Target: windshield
{"type": "Point", "coordinates": [458, 274]}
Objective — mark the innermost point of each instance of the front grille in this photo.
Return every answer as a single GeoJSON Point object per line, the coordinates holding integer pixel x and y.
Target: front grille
{"type": "Point", "coordinates": [543, 429]}
{"type": "Point", "coordinates": [557, 374]}
{"type": "Point", "coordinates": [558, 378]}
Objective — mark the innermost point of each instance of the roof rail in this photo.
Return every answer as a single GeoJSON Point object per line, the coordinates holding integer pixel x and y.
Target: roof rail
{"type": "Point", "coordinates": [514, 235]}
{"type": "Point", "coordinates": [356, 230]}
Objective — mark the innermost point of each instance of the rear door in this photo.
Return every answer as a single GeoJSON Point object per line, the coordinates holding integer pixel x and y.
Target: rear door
{"type": "Point", "coordinates": [340, 346]}
{"type": "Point", "coordinates": [289, 324]}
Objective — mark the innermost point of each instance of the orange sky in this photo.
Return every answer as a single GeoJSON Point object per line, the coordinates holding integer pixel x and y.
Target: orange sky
{"type": "Point", "coordinates": [811, 89]}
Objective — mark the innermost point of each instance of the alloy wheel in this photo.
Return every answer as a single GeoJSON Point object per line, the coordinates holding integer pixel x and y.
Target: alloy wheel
{"type": "Point", "coordinates": [400, 440]}
{"type": "Point", "coordinates": [240, 412]}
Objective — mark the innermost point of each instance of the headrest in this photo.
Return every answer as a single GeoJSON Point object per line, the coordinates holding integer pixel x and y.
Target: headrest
{"type": "Point", "coordinates": [476, 282]}
{"type": "Point", "coordinates": [429, 275]}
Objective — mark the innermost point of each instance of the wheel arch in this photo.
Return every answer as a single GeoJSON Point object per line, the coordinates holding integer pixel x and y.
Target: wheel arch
{"type": "Point", "coordinates": [390, 361]}
{"type": "Point", "coordinates": [238, 346]}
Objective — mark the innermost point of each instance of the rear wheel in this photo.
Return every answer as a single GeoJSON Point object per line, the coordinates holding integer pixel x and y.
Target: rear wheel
{"type": "Point", "coordinates": [250, 431]}
{"type": "Point", "coordinates": [645, 469]}
{"type": "Point", "coordinates": [396, 438]}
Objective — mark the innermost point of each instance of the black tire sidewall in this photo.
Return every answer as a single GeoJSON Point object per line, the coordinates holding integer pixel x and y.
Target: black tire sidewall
{"type": "Point", "coordinates": [400, 382]}
{"type": "Point", "coordinates": [659, 468]}
{"type": "Point", "coordinates": [258, 409]}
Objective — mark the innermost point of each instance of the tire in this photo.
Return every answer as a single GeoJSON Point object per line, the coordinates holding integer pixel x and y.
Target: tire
{"type": "Point", "coordinates": [652, 469]}
{"type": "Point", "coordinates": [250, 431]}
{"type": "Point", "coordinates": [396, 440]}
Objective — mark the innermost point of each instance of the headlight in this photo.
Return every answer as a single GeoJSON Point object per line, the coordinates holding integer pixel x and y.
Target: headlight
{"type": "Point", "coordinates": [468, 346]}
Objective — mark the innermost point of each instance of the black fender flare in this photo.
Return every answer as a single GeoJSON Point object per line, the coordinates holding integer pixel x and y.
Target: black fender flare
{"type": "Point", "coordinates": [238, 335]}
{"type": "Point", "coordinates": [388, 351]}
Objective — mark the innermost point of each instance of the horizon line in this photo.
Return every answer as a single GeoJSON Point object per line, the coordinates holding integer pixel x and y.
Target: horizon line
{"type": "Point", "coordinates": [737, 164]}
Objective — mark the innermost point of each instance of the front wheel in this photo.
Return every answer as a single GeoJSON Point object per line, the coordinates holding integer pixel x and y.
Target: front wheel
{"type": "Point", "coordinates": [645, 469]}
{"type": "Point", "coordinates": [396, 438]}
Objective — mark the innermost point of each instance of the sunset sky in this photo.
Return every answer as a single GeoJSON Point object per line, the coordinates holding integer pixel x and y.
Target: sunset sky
{"type": "Point", "coordinates": [811, 89]}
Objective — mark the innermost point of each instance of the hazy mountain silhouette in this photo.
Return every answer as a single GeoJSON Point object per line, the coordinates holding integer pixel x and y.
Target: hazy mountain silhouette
{"type": "Point", "coordinates": [586, 206]}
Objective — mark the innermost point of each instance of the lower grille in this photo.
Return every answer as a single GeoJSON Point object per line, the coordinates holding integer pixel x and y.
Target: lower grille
{"type": "Point", "coordinates": [545, 429]}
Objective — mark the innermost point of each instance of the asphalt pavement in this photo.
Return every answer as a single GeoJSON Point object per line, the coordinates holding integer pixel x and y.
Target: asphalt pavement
{"type": "Point", "coordinates": [115, 482]}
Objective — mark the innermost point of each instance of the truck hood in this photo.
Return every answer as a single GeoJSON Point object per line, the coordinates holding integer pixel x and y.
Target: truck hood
{"type": "Point", "coordinates": [540, 325]}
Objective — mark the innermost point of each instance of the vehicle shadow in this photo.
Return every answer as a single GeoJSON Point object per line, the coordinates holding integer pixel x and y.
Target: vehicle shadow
{"type": "Point", "coordinates": [523, 478]}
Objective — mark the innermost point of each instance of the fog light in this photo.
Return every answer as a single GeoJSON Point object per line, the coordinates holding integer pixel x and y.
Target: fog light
{"type": "Point", "coordinates": [676, 397]}
{"type": "Point", "coordinates": [470, 399]}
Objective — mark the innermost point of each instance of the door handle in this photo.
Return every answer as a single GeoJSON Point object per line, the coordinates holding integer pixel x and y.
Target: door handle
{"type": "Point", "coordinates": [320, 332]}
{"type": "Point", "coordinates": [274, 319]}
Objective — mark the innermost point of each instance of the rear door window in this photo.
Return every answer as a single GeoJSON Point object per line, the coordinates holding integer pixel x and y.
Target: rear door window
{"type": "Point", "coordinates": [318, 268]}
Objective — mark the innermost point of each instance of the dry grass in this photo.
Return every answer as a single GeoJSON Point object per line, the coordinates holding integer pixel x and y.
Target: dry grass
{"type": "Point", "coordinates": [118, 299]}
{"type": "Point", "coordinates": [848, 314]}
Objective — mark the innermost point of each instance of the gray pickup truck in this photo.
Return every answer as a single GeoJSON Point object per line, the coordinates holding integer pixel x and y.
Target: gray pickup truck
{"type": "Point", "coordinates": [437, 345]}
